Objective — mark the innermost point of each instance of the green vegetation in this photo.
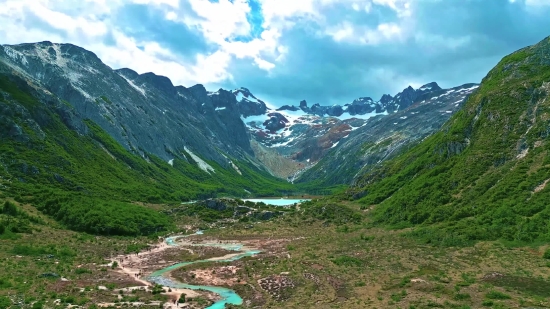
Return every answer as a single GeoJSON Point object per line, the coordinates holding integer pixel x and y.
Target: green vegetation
{"type": "Point", "coordinates": [497, 295]}
{"type": "Point", "coordinates": [473, 193]}
{"type": "Point", "coordinates": [91, 183]}
{"type": "Point", "coordinates": [483, 176]}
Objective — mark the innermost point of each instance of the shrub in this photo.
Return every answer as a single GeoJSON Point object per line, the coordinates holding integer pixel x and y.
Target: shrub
{"type": "Point", "coordinates": [9, 209]}
{"type": "Point", "coordinates": [546, 254]}
{"type": "Point", "coordinates": [497, 295]}
{"type": "Point", "coordinates": [5, 302]}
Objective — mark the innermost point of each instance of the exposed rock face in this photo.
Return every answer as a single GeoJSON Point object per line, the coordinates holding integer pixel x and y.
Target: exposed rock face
{"type": "Point", "coordinates": [308, 134]}
{"type": "Point", "coordinates": [382, 137]}
{"type": "Point", "coordinates": [276, 122]}
{"type": "Point", "coordinates": [144, 112]}
{"type": "Point", "coordinates": [363, 106]}
{"type": "Point", "coordinates": [248, 104]}
{"type": "Point", "coordinates": [147, 114]}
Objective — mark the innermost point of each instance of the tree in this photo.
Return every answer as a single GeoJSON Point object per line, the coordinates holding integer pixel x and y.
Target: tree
{"type": "Point", "coordinates": [182, 298]}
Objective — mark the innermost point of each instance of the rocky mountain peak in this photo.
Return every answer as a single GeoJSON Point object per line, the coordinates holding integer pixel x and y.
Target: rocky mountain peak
{"type": "Point", "coordinates": [385, 99]}
{"type": "Point", "coordinates": [160, 82]}
{"type": "Point", "coordinates": [128, 73]}
{"type": "Point", "coordinates": [362, 100]}
{"type": "Point", "coordinates": [433, 86]}
{"type": "Point", "coordinates": [248, 104]}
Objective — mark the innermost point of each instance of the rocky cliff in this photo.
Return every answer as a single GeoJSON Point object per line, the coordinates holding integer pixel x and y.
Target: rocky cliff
{"type": "Point", "coordinates": [145, 113]}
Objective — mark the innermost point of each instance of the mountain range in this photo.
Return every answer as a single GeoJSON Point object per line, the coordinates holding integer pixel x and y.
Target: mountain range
{"type": "Point", "coordinates": [444, 201]}
{"type": "Point", "coordinates": [148, 115]}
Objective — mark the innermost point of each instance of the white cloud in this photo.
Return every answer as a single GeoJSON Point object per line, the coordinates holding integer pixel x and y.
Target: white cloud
{"type": "Point", "coordinates": [220, 20]}
{"type": "Point", "coordinates": [171, 3]}
{"type": "Point", "coordinates": [84, 28]}
{"type": "Point", "coordinates": [401, 7]}
{"type": "Point", "coordinates": [532, 3]}
{"type": "Point", "coordinates": [346, 32]}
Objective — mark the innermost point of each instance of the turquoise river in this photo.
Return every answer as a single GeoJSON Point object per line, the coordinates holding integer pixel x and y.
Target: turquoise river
{"type": "Point", "coordinates": [228, 296]}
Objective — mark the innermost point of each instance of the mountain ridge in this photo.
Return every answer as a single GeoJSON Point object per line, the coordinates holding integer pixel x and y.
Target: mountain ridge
{"type": "Point", "coordinates": [484, 174]}
{"type": "Point", "coordinates": [146, 113]}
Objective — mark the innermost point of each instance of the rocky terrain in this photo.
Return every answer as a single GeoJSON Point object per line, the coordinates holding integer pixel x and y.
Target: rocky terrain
{"type": "Point", "coordinates": [306, 143]}
{"type": "Point", "coordinates": [145, 113]}
{"type": "Point", "coordinates": [381, 138]}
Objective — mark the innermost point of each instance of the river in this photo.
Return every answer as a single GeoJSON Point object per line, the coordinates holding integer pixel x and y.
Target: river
{"type": "Point", "coordinates": [228, 296]}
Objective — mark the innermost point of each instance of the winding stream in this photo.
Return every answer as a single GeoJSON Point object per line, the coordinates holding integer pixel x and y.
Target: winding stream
{"type": "Point", "coordinates": [228, 296]}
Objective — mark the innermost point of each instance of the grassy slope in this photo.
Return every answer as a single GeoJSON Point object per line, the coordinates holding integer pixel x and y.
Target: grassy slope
{"type": "Point", "coordinates": [88, 181]}
{"type": "Point", "coordinates": [467, 182]}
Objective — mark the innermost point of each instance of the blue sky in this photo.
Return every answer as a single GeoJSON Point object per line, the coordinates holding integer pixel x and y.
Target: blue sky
{"type": "Point", "coordinates": [284, 51]}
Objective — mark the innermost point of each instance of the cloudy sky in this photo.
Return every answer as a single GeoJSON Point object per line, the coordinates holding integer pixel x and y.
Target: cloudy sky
{"type": "Point", "coordinates": [324, 51]}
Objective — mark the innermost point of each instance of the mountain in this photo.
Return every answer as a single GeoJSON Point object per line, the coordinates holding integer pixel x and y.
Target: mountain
{"type": "Point", "coordinates": [316, 143]}
{"type": "Point", "coordinates": [73, 129]}
{"type": "Point", "coordinates": [484, 175]}
{"type": "Point", "coordinates": [144, 113]}
{"type": "Point", "coordinates": [382, 138]}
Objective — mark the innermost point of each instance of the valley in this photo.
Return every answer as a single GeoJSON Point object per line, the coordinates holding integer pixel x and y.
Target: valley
{"type": "Point", "coordinates": [298, 260]}
{"type": "Point", "coordinates": [121, 190]}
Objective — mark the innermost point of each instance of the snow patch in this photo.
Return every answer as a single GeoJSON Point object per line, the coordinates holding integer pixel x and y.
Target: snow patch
{"type": "Point", "coordinates": [236, 168]}
{"type": "Point", "coordinates": [469, 89]}
{"type": "Point", "coordinates": [346, 116]}
{"type": "Point", "coordinates": [290, 140]}
{"type": "Point", "coordinates": [220, 108]}
{"type": "Point", "coordinates": [239, 96]}
{"type": "Point", "coordinates": [139, 89]}
{"type": "Point", "coordinates": [202, 165]}
{"type": "Point", "coordinates": [335, 144]}
{"type": "Point", "coordinates": [16, 55]}
{"type": "Point", "coordinates": [171, 162]}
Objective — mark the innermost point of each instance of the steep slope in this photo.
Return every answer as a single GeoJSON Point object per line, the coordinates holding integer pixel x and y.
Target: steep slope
{"type": "Point", "coordinates": [144, 113]}
{"type": "Point", "coordinates": [76, 172]}
{"type": "Point", "coordinates": [484, 175]}
{"type": "Point", "coordinates": [305, 137]}
{"type": "Point", "coordinates": [383, 137]}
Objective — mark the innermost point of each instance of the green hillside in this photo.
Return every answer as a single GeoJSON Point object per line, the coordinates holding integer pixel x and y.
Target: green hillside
{"type": "Point", "coordinates": [89, 181]}
{"type": "Point", "coordinates": [484, 175]}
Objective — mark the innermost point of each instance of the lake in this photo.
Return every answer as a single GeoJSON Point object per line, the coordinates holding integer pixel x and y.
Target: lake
{"type": "Point", "coordinates": [278, 202]}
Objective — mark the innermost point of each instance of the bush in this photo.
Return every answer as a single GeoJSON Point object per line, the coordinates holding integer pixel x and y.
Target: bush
{"type": "Point", "coordinates": [9, 209]}
{"type": "Point", "coordinates": [462, 296]}
{"type": "Point", "coordinates": [497, 295]}
{"type": "Point", "coordinates": [5, 302]}
{"type": "Point", "coordinates": [487, 303]}
{"type": "Point", "coordinates": [546, 254]}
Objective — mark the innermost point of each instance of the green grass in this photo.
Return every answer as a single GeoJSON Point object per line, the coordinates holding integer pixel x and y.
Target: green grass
{"type": "Point", "coordinates": [91, 183]}
{"type": "Point", "coordinates": [497, 295]}
{"type": "Point", "coordinates": [465, 183]}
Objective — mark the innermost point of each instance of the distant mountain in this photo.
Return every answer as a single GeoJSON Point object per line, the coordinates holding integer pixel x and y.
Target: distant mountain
{"type": "Point", "coordinates": [306, 135]}
{"type": "Point", "coordinates": [366, 105]}
{"type": "Point", "coordinates": [382, 138]}
{"type": "Point", "coordinates": [148, 115]}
